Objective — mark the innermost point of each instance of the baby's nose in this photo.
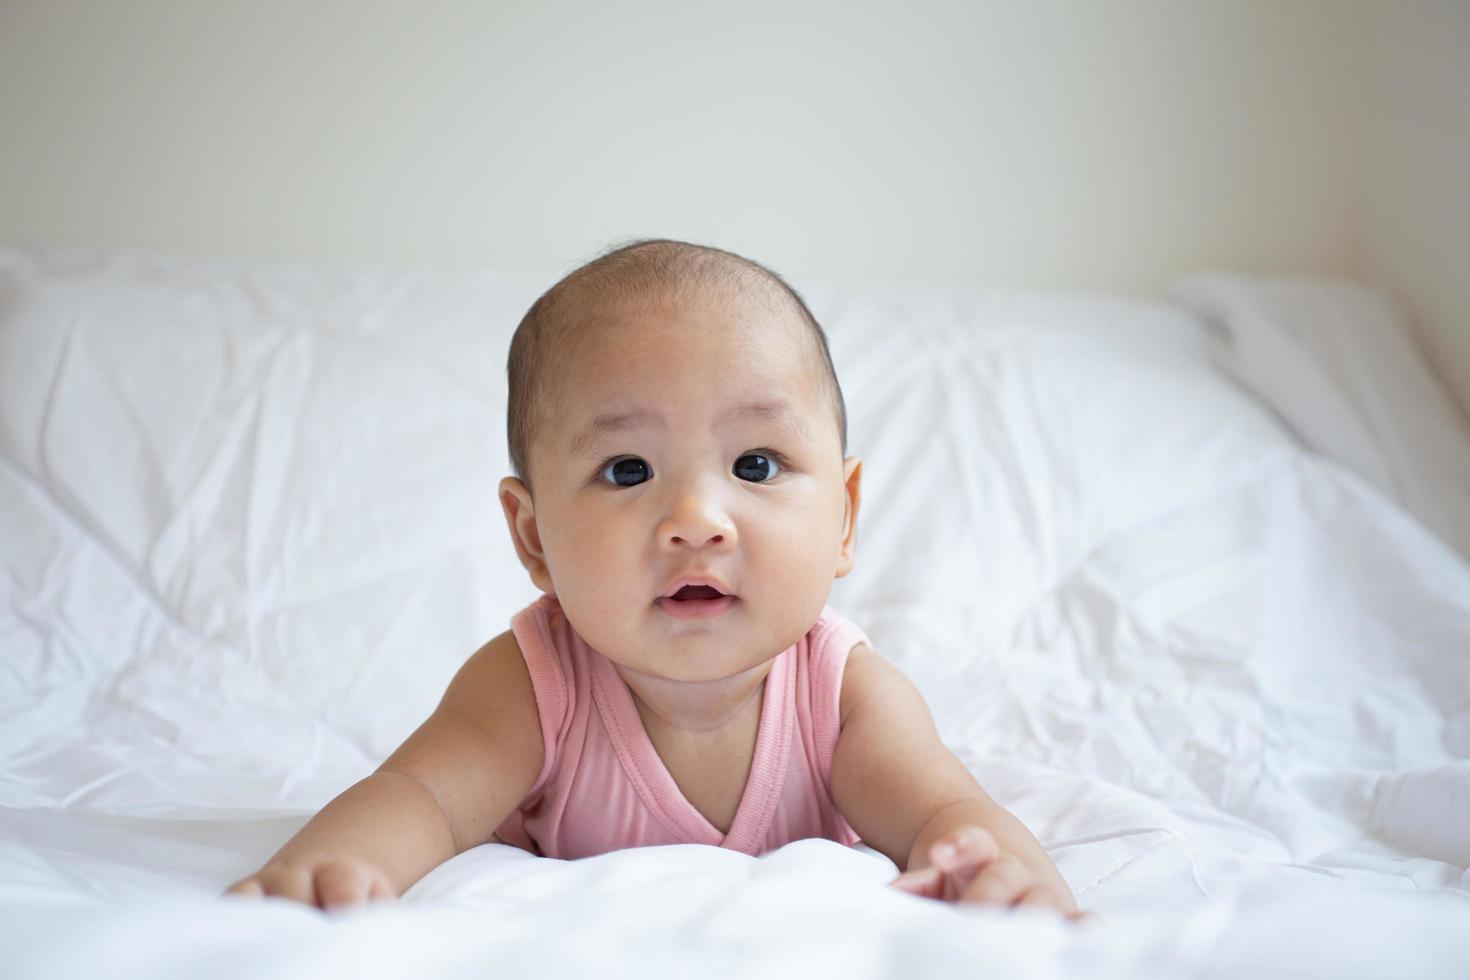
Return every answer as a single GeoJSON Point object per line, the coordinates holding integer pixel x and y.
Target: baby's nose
{"type": "Point", "coordinates": [697, 521]}
{"type": "Point", "coordinates": [712, 539]}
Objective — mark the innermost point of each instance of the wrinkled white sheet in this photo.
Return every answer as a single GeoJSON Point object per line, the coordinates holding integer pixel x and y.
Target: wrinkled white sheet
{"type": "Point", "coordinates": [248, 530]}
{"type": "Point", "coordinates": [1338, 364]}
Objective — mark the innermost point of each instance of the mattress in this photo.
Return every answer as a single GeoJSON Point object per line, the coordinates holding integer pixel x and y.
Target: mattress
{"type": "Point", "coordinates": [1218, 664]}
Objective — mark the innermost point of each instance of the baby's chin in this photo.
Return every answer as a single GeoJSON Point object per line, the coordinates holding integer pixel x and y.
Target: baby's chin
{"type": "Point", "coordinates": [719, 644]}
{"type": "Point", "coordinates": [688, 656]}
{"type": "Point", "coordinates": [691, 673]}
{"type": "Point", "coordinates": [692, 659]}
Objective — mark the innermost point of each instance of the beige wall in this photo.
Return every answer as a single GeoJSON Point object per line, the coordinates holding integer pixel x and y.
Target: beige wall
{"type": "Point", "coordinates": [1414, 184]}
{"type": "Point", "coordinates": [1073, 143]}
{"type": "Point", "coordinates": [1077, 143]}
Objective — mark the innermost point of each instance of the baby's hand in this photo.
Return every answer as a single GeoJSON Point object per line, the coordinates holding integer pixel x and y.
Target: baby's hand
{"type": "Point", "coordinates": [968, 866]}
{"type": "Point", "coordinates": [324, 881]}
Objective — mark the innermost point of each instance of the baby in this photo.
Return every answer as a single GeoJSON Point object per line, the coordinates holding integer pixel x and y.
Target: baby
{"type": "Point", "coordinates": [684, 499]}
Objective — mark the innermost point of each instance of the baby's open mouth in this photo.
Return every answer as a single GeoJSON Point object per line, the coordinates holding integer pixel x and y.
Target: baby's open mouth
{"type": "Point", "coordinates": [696, 592]}
{"type": "Point", "coordinates": [696, 601]}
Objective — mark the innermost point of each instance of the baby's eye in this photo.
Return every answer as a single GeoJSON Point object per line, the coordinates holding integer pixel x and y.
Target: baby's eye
{"type": "Point", "coordinates": [756, 467]}
{"type": "Point", "coordinates": [626, 471]}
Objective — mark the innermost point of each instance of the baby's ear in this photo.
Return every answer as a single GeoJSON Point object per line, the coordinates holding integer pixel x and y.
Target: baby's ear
{"type": "Point", "coordinates": [852, 496]}
{"type": "Point", "coordinates": [520, 516]}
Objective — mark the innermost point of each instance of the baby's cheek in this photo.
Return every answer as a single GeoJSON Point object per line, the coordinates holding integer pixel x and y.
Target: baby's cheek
{"type": "Point", "coordinates": [606, 599]}
{"type": "Point", "coordinates": [588, 596]}
{"type": "Point", "coordinates": [798, 577]}
{"type": "Point", "coordinates": [812, 544]}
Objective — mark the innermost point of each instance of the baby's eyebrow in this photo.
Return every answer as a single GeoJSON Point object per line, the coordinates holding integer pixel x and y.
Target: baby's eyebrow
{"type": "Point", "coordinates": [777, 411]}
{"type": "Point", "coordinates": [612, 422]}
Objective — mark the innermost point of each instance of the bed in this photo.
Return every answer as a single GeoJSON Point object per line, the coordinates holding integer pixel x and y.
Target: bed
{"type": "Point", "coordinates": [1183, 578]}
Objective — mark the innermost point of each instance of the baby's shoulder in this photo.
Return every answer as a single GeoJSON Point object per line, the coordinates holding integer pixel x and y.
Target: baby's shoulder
{"type": "Point", "coordinates": [866, 678]}
{"type": "Point", "coordinates": [480, 751]}
{"type": "Point", "coordinates": [494, 684]}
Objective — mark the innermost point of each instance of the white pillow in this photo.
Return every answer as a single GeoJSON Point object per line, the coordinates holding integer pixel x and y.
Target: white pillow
{"type": "Point", "coordinates": [1338, 363]}
{"type": "Point", "coordinates": [1008, 435]}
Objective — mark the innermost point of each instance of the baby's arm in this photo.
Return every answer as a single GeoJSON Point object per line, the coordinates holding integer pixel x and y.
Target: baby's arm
{"type": "Point", "coordinates": [443, 791]}
{"type": "Point", "coordinates": [907, 796]}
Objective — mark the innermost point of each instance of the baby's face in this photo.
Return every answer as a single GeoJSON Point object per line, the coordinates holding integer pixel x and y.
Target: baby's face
{"type": "Point", "coordinates": [691, 442]}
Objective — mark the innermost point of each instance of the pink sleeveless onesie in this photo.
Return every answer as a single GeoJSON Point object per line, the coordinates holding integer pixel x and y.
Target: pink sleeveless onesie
{"type": "Point", "coordinates": [603, 786]}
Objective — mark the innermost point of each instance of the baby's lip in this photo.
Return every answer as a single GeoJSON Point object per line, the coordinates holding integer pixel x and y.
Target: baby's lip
{"type": "Point", "coordinates": [704, 580]}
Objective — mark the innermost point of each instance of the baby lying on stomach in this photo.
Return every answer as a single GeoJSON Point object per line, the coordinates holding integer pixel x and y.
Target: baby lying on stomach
{"type": "Point", "coordinates": [684, 498]}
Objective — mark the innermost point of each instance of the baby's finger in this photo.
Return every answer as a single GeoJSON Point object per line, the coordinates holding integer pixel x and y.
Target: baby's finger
{"type": "Point", "coordinates": [1042, 897]}
{"type": "Point", "coordinates": [341, 884]}
{"type": "Point", "coordinates": [1000, 883]}
{"type": "Point", "coordinates": [248, 888]}
{"type": "Point", "coordinates": [380, 890]}
{"type": "Point", "coordinates": [967, 847]}
{"type": "Point", "coordinates": [925, 882]}
{"type": "Point", "coordinates": [293, 883]}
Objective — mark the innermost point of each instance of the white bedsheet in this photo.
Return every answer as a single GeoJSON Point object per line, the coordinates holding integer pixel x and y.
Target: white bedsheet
{"type": "Point", "coordinates": [248, 530]}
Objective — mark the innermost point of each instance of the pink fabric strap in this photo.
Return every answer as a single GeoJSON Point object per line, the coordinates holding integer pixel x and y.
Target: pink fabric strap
{"type": "Point", "coordinates": [532, 630]}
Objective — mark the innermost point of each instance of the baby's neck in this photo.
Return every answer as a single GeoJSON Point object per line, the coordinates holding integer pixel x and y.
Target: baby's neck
{"type": "Point", "coordinates": [695, 708]}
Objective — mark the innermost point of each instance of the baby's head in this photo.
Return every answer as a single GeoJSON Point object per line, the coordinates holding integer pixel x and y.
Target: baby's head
{"type": "Point", "coordinates": [673, 416]}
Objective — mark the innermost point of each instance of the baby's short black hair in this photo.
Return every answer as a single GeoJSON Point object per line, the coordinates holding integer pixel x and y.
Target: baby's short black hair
{"type": "Point", "coordinates": [626, 272]}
